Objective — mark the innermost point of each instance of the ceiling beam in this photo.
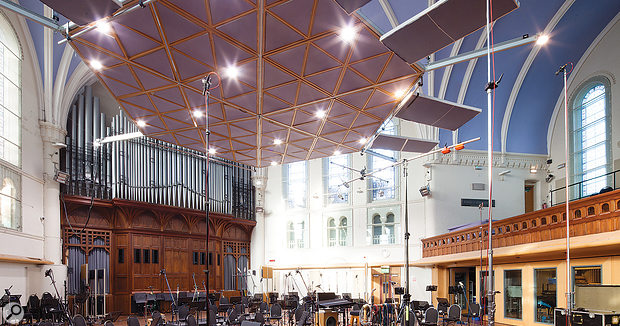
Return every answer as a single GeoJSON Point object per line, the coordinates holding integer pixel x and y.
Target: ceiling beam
{"type": "Point", "coordinates": [38, 18]}
{"type": "Point", "coordinates": [389, 12]}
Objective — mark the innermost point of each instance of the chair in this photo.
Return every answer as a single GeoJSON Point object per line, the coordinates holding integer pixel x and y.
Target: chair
{"type": "Point", "coordinates": [133, 321]}
{"type": "Point", "coordinates": [190, 320]}
{"type": "Point", "coordinates": [78, 320]}
{"type": "Point", "coordinates": [183, 312]}
{"type": "Point", "coordinates": [33, 309]}
{"type": "Point", "coordinates": [355, 315]}
{"type": "Point", "coordinates": [156, 318]}
{"type": "Point", "coordinates": [45, 323]}
{"type": "Point", "coordinates": [276, 313]}
{"type": "Point", "coordinates": [454, 314]}
{"type": "Point", "coordinates": [233, 316]}
{"type": "Point", "coordinates": [50, 307]}
{"type": "Point", "coordinates": [304, 319]}
{"type": "Point", "coordinates": [263, 307]}
{"type": "Point", "coordinates": [259, 317]}
{"type": "Point", "coordinates": [140, 300]}
{"type": "Point", "coordinates": [473, 311]}
{"type": "Point", "coordinates": [298, 314]}
{"type": "Point", "coordinates": [108, 323]}
{"type": "Point", "coordinates": [431, 316]}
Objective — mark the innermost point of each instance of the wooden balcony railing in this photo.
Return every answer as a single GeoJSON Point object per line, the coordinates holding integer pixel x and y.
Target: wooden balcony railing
{"type": "Point", "coordinates": [596, 214]}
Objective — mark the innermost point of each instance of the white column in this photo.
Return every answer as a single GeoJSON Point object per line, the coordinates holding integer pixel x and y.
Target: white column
{"type": "Point", "coordinates": [257, 250]}
{"type": "Point", "coordinates": [52, 134]}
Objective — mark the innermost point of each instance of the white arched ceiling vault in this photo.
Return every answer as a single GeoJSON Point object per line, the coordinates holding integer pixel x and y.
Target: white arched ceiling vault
{"type": "Point", "coordinates": [529, 90]}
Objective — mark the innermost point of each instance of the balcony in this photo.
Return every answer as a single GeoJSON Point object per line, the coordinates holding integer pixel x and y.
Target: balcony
{"type": "Point", "coordinates": [588, 216]}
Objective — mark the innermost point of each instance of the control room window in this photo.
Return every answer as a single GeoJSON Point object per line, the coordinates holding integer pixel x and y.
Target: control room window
{"type": "Point", "coordinates": [545, 282]}
{"type": "Point", "coordinates": [586, 275]}
{"type": "Point", "coordinates": [295, 184]}
{"type": "Point", "coordinates": [513, 294]}
{"type": "Point", "coordinates": [590, 126]}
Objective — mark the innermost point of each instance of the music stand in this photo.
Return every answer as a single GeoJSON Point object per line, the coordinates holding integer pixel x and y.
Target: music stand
{"type": "Point", "coordinates": [442, 305]}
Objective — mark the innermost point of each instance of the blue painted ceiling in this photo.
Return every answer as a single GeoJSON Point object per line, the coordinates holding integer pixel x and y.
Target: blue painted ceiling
{"type": "Point", "coordinates": [535, 99]}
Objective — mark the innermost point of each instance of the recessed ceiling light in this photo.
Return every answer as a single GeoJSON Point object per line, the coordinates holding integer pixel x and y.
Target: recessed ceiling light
{"type": "Point", "coordinates": [274, 163]}
{"type": "Point", "coordinates": [399, 93]}
{"type": "Point", "coordinates": [362, 140]}
{"type": "Point", "coordinates": [542, 39]}
{"type": "Point", "coordinates": [96, 64]}
{"type": "Point", "coordinates": [277, 141]}
{"type": "Point", "coordinates": [212, 151]}
{"type": "Point", "coordinates": [104, 27]}
{"type": "Point", "coordinates": [141, 123]}
{"type": "Point", "coordinates": [320, 114]}
{"type": "Point", "coordinates": [198, 114]}
{"type": "Point", "coordinates": [232, 72]}
{"type": "Point", "coordinates": [348, 33]}
{"type": "Point", "coordinates": [337, 153]}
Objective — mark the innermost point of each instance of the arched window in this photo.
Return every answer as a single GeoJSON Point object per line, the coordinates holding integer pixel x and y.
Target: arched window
{"type": "Point", "coordinates": [331, 232]}
{"type": "Point", "coordinates": [10, 124]}
{"type": "Point", "coordinates": [590, 126]}
{"type": "Point", "coordinates": [342, 231]}
{"type": "Point", "coordinates": [383, 225]}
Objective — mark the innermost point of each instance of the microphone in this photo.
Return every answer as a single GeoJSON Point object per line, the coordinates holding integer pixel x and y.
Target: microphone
{"type": "Point", "coordinates": [48, 272]}
{"type": "Point", "coordinates": [461, 284]}
{"type": "Point", "coordinates": [561, 69]}
{"type": "Point", "coordinates": [162, 271]}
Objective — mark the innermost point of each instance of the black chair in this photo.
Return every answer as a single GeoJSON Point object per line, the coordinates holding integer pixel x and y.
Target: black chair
{"type": "Point", "coordinates": [140, 300]}
{"type": "Point", "coordinates": [78, 320]}
{"type": "Point", "coordinates": [108, 323]}
{"type": "Point", "coordinates": [431, 316]}
{"type": "Point", "coordinates": [259, 317]}
{"type": "Point", "coordinates": [263, 307]}
{"type": "Point", "coordinates": [183, 312]}
{"type": "Point", "coordinates": [45, 323]}
{"type": "Point", "coordinates": [50, 307]}
{"type": "Point", "coordinates": [133, 321]}
{"type": "Point", "coordinates": [454, 314]}
{"type": "Point", "coordinates": [442, 305]}
{"type": "Point", "coordinates": [233, 317]}
{"type": "Point", "coordinates": [304, 319]}
{"type": "Point", "coordinates": [473, 311]}
{"type": "Point", "coordinates": [298, 313]}
{"type": "Point", "coordinates": [157, 320]}
{"type": "Point", "coordinates": [33, 309]}
{"type": "Point", "coordinates": [190, 320]}
{"type": "Point", "coordinates": [275, 313]}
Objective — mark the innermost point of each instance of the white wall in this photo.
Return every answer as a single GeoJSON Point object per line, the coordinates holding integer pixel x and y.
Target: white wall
{"type": "Point", "coordinates": [340, 268]}
{"type": "Point", "coordinates": [29, 242]}
{"type": "Point", "coordinates": [601, 59]}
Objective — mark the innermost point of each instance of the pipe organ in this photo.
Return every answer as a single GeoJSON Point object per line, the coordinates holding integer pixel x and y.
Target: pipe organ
{"type": "Point", "coordinates": [145, 169]}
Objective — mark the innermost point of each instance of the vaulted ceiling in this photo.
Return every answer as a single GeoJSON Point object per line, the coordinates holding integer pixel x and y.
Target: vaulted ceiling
{"type": "Point", "coordinates": [299, 81]}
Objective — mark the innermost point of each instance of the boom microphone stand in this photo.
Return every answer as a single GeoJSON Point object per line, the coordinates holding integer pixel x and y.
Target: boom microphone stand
{"type": "Point", "coordinates": [65, 313]}
{"type": "Point", "coordinates": [174, 303]}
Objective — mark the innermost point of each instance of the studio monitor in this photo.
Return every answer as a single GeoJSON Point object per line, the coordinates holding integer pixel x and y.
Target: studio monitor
{"type": "Point", "coordinates": [328, 318]}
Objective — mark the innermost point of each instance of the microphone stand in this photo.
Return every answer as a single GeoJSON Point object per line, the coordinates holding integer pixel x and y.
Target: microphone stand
{"type": "Point", "coordinates": [466, 301]}
{"type": "Point", "coordinates": [174, 304]}
{"type": "Point", "coordinates": [50, 274]}
{"type": "Point", "coordinates": [195, 296]}
{"type": "Point", "coordinates": [206, 92]}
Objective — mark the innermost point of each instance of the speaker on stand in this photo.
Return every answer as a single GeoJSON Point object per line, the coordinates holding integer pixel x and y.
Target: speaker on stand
{"type": "Point", "coordinates": [327, 318]}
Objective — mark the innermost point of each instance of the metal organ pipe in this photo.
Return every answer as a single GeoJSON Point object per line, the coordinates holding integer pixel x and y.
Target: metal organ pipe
{"type": "Point", "coordinates": [146, 169]}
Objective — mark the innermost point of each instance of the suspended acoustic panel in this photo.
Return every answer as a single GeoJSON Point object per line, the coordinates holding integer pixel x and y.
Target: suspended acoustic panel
{"type": "Point", "coordinates": [351, 5]}
{"type": "Point", "coordinates": [437, 113]}
{"type": "Point", "coordinates": [83, 12]}
{"type": "Point", "coordinates": [403, 144]}
{"type": "Point", "coordinates": [440, 25]}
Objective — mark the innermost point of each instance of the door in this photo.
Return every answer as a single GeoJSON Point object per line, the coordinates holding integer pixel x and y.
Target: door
{"type": "Point", "coordinates": [529, 198]}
